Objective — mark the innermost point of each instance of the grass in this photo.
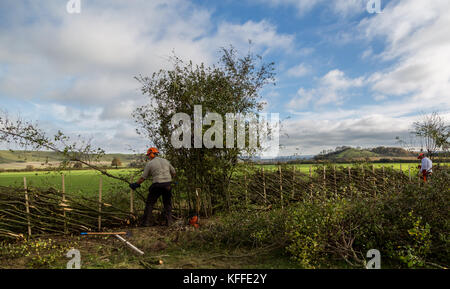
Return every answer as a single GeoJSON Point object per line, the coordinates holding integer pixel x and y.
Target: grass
{"type": "Point", "coordinates": [78, 181]}
{"type": "Point", "coordinates": [158, 243]}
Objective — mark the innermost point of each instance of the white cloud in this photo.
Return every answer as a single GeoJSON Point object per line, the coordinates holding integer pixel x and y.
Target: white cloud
{"type": "Point", "coordinates": [317, 131]}
{"type": "Point", "coordinates": [303, 99]}
{"type": "Point", "coordinates": [339, 7]}
{"type": "Point", "coordinates": [417, 40]}
{"type": "Point", "coordinates": [415, 79]}
{"type": "Point", "coordinates": [298, 70]}
{"type": "Point", "coordinates": [332, 88]}
{"type": "Point", "coordinates": [263, 35]}
{"type": "Point", "coordinates": [84, 64]}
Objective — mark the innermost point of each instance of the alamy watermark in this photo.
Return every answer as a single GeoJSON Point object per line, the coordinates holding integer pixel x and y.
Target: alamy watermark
{"type": "Point", "coordinates": [263, 133]}
{"type": "Point", "coordinates": [375, 262]}
{"type": "Point", "coordinates": [374, 6]}
{"type": "Point", "coordinates": [73, 6]}
{"type": "Point", "coordinates": [75, 262]}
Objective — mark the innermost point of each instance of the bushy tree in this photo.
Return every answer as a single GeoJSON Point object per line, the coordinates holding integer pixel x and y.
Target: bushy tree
{"type": "Point", "coordinates": [116, 162]}
{"type": "Point", "coordinates": [230, 86]}
{"type": "Point", "coordinates": [77, 165]}
{"type": "Point", "coordinates": [432, 132]}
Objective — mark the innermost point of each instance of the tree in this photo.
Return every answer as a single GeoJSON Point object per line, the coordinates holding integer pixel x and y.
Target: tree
{"type": "Point", "coordinates": [230, 86]}
{"type": "Point", "coordinates": [27, 134]}
{"type": "Point", "coordinates": [77, 165]}
{"type": "Point", "coordinates": [432, 132]}
{"type": "Point", "coordinates": [116, 162]}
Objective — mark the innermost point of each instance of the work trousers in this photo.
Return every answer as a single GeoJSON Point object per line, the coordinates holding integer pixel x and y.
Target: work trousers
{"type": "Point", "coordinates": [155, 191]}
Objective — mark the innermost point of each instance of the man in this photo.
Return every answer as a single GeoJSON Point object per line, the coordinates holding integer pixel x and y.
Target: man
{"type": "Point", "coordinates": [162, 173]}
{"type": "Point", "coordinates": [425, 167]}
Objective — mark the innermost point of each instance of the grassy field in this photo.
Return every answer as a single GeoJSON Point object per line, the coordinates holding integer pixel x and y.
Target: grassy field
{"type": "Point", "coordinates": [87, 181]}
{"type": "Point", "coordinates": [304, 168]}
{"type": "Point", "coordinates": [84, 182]}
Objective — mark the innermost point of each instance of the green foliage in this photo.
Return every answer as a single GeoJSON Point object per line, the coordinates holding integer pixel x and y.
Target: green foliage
{"type": "Point", "coordinates": [320, 231]}
{"type": "Point", "coordinates": [415, 253]}
{"type": "Point", "coordinates": [40, 253]}
{"type": "Point", "coordinates": [409, 227]}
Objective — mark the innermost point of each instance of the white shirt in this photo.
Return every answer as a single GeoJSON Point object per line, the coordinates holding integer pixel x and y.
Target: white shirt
{"type": "Point", "coordinates": [426, 164]}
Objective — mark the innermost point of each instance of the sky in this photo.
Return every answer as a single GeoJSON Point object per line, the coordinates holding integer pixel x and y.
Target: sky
{"type": "Point", "coordinates": [344, 74]}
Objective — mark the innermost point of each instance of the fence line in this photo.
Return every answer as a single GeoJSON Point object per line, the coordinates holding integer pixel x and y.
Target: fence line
{"type": "Point", "coordinates": [40, 212]}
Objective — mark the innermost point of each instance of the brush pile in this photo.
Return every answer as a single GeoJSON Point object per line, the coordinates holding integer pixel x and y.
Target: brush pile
{"type": "Point", "coordinates": [49, 214]}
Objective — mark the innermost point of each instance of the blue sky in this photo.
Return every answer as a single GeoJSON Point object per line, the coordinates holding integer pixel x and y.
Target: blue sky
{"type": "Point", "coordinates": [344, 76]}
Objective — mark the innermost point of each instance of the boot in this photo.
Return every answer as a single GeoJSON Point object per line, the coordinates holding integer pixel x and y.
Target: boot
{"type": "Point", "coordinates": [168, 215]}
{"type": "Point", "coordinates": [147, 219]}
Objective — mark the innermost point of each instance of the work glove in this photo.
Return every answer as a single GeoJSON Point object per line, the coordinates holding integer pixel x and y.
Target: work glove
{"type": "Point", "coordinates": [134, 186]}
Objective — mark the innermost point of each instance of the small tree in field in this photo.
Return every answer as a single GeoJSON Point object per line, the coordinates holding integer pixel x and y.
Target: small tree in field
{"type": "Point", "coordinates": [432, 132]}
{"type": "Point", "coordinates": [77, 165]}
{"type": "Point", "coordinates": [116, 162]}
{"type": "Point", "coordinates": [230, 86]}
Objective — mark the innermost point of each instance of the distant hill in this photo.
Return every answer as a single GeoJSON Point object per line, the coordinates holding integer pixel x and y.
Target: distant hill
{"type": "Point", "coordinates": [350, 153]}
{"type": "Point", "coordinates": [392, 152]}
{"type": "Point", "coordinates": [7, 157]}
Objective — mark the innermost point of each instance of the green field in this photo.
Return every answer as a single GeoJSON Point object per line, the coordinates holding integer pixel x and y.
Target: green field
{"type": "Point", "coordinates": [43, 156]}
{"type": "Point", "coordinates": [304, 168]}
{"type": "Point", "coordinates": [87, 181]}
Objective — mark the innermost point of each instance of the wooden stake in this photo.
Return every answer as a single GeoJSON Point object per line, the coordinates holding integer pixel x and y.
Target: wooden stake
{"type": "Point", "coordinates": [100, 188]}
{"type": "Point", "coordinates": [64, 201]}
{"type": "Point", "coordinates": [245, 189]}
{"type": "Point", "coordinates": [335, 179]}
{"type": "Point", "coordinates": [311, 186]}
{"type": "Point", "coordinates": [210, 205]}
{"type": "Point", "coordinates": [409, 172]}
{"type": "Point", "coordinates": [27, 206]}
{"type": "Point", "coordinates": [281, 188]}
{"type": "Point", "coordinates": [349, 177]}
{"type": "Point", "coordinates": [293, 181]}
{"type": "Point", "coordinates": [197, 196]}
{"type": "Point", "coordinates": [374, 180]}
{"type": "Point", "coordinates": [131, 199]}
{"type": "Point", "coordinates": [205, 204]}
{"type": "Point", "coordinates": [264, 186]}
